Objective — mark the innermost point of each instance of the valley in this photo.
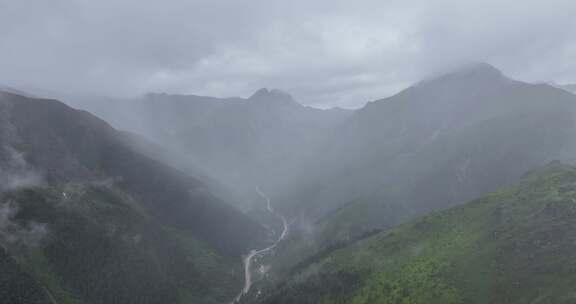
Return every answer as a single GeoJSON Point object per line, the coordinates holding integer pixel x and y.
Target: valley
{"type": "Point", "coordinates": [421, 197]}
{"type": "Point", "coordinates": [287, 152]}
{"type": "Point", "coordinates": [256, 253]}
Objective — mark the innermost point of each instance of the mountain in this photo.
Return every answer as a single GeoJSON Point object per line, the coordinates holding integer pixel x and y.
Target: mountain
{"type": "Point", "coordinates": [515, 245]}
{"type": "Point", "coordinates": [243, 142]}
{"type": "Point", "coordinates": [85, 218]}
{"type": "Point", "coordinates": [441, 142]}
{"type": "Point", "coordinates": [340, 178]}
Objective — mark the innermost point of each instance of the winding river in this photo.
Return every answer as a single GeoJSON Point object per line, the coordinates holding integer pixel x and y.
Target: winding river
{"type": "Point", "coordinates": [257, 252]}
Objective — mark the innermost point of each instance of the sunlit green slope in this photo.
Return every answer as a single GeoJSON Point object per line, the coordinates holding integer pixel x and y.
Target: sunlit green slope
{"type": "Point", "coordinates": [516, 245]}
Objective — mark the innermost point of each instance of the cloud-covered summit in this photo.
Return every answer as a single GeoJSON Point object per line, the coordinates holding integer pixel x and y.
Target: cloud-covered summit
{"type": "Point", "coordinates": [324, 52]}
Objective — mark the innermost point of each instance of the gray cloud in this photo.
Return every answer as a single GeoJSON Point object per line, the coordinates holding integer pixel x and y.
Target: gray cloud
{"type": "Point", "coordinates": [325, 52]}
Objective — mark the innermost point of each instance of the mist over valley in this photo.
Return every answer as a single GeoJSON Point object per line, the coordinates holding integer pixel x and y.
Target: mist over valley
{"type": "Point", "coordinates": [268, 152]}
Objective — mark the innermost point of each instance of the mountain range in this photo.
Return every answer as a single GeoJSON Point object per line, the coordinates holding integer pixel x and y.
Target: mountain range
{"type": "Point", "coordinates": [457, 189]}
{"type": "Point", "coordinates": [242, 142]}
{"type": "Point", "coordinates": [439, 143]}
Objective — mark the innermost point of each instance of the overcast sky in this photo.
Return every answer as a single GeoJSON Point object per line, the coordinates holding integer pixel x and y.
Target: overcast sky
{"type": "Point", "coordinates": [324, 52]}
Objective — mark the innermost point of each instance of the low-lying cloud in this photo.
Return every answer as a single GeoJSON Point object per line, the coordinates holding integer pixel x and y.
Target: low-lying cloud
{"type": "Point", "coordinates": [20, 233]}
{"type": "Point", "coordinates": [16, 173]}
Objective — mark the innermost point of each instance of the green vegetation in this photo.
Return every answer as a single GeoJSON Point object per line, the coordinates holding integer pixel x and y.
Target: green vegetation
{"type": "Point", "coordinates": [101, 248]}
{"type": "Point", "coordinates": [103, 223]}
{"type": "Point", "coordinates": [516, 245]}
{"type": "Point", "coordinates": [344, 226]}
{"type": "Point", "coordinates": [17, 286]}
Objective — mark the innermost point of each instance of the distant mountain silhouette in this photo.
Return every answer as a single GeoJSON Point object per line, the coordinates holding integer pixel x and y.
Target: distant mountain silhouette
{"type": "Point", "coordinates": [260, 140]}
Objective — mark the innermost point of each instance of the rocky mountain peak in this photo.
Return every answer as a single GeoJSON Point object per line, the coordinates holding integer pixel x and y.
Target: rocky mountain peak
{"type": "Point", "coordinates": [274, 96]}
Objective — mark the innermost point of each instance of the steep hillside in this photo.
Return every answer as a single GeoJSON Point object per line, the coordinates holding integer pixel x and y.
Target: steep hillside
{"type": "Point", "coordinates": [441, 142]}
{"type": "Point", "coordinates": [516, 245]}
{"type": "Point", "coordinates": [86, 219]}
{"type": "Point", "coordinates": [444, 141]}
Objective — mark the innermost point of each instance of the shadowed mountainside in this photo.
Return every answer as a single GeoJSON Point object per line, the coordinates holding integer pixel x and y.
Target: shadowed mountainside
{"type": "Point", "coordinates": [93, 221]}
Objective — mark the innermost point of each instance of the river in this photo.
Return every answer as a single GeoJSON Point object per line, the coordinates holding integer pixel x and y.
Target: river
{"type": "Point", "coordinates": [256, 252]}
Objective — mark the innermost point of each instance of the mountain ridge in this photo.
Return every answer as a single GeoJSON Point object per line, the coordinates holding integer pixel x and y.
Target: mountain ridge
{"type": "Point", "coordinates": [262, 138]}
{"type": "Point", "coordinates": [114, 226]}
{"type": "Point", "coordinates": [427, 148]}
{"type": "Point", "coordinates": [418, 115]}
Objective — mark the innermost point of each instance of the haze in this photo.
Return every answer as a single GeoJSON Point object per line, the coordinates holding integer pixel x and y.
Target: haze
{"type": "Point", "coordinates": [287, 152]}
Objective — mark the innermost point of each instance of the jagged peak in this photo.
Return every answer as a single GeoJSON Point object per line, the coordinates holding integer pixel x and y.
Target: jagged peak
{"type": "Point", "coordinates": [259, 93]}
{"type": "Point", "coordinates": [265, 92]}
{"type": "Point", "coordinates": [273, 96]}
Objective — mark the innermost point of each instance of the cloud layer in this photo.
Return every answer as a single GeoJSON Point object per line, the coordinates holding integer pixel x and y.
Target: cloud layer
{"type": "Point", "coordinates": [16, 173]}
{"type": "Point", "coordinates": [325, 52]}
{"type": "Point", "coordinates": [15, 232]}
